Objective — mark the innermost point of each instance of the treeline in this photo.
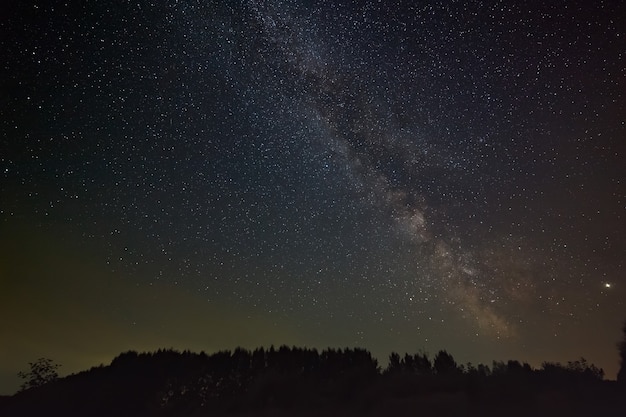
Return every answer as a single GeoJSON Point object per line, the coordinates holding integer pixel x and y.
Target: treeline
{"type": "Point", "coordinates": [290, 380]}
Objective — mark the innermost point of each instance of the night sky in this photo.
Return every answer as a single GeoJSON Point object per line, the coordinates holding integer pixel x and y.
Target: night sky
{"type": "Point", "coordinates": [395, 175]}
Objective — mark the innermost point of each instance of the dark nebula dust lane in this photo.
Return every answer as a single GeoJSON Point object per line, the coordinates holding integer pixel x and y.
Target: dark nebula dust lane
{"type": "Point", "coordinates": [393, 175]}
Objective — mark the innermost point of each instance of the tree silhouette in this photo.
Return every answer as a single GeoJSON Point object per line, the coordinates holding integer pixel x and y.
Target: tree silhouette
{"type": "Point", "coordinates": [42, 371]}
{"type": "Point", "coordinates": [394, 363]}
{"type": "Point", "coordinates": [445, 364]}
{"type": "Point", "coordinates": [621, 375]}
{"type": "Point", "coordinates": [422, 364]}
{"type": "Point", "coordinates": [288, 380]}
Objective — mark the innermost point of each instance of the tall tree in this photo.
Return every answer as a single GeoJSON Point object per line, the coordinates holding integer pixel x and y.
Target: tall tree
{"type": "Point", "coordinates": [395, 364]}
{"type": "Point", "coordinates": [422, 364]}
{"type": "Point", "coordinates": [445, 364]}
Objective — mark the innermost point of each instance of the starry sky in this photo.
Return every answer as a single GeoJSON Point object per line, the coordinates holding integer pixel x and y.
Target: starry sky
{"type": "Point", "coordinates": [396, 175]}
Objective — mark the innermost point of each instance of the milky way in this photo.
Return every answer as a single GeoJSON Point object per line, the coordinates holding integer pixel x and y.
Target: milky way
{"type": "Point", "coordinates": [393, 175]}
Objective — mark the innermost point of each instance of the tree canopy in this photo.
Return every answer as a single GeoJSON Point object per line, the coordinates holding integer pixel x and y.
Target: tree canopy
{"type": "Point", "coordinates": [42, 371]}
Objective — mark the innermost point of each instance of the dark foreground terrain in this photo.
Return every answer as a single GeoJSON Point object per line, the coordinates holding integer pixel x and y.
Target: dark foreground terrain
{"type": "Point", "coordinates": [305, 382]}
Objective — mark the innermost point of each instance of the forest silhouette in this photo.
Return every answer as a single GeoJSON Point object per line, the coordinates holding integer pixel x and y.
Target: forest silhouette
{"type": "Point", "coordinates": [288, 381]}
